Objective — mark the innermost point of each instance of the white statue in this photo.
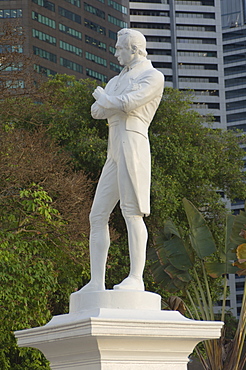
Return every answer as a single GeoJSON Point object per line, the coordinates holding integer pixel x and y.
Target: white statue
{"type": "Point", "coordinates": [129, 102]}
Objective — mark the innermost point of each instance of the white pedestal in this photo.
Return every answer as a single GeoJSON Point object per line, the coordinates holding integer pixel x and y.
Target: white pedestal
{"type": "Point", "coordinates": [118, 330]}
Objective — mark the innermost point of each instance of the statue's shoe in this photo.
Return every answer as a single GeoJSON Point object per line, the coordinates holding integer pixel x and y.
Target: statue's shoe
{"type": "Point", "coordinates": [92, 287]}
{"type": "Point", "coordinates": [131, 283]}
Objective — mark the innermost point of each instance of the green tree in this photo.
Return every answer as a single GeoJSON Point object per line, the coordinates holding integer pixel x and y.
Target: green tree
{"type": "Point", "coordinates": [43, 237]}
{"type": "Point", "coordinates": [191, 160]}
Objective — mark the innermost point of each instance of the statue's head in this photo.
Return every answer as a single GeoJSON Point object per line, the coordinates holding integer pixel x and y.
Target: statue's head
{"type": "Point", "coordinates": [130, 44]}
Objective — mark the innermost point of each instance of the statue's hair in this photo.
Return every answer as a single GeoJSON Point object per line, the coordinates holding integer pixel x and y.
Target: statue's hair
{"type": "Point", "coordinates": [134, 40]}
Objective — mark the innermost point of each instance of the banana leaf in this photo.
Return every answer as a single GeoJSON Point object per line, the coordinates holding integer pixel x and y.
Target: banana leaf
{"type": "Point", "coordinates": [200, 236]}
{"type": "Point", "coordinates": [174, 251]}
{"type": "Point", "coordinates": [168, 277]}
{"type": "Point", "coordinates": [216, 269]}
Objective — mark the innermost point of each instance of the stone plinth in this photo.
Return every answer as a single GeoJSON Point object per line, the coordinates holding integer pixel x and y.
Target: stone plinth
{"type": "Point", "coordinates": [100, 332]}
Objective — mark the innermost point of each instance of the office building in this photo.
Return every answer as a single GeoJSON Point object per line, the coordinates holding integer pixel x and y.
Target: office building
{"type": "Point", "coordinates": [71, 36]}
{"type": "Point", "coordinates": [234, 49]}
{"type": "Point", "coordinates": [184, 41]}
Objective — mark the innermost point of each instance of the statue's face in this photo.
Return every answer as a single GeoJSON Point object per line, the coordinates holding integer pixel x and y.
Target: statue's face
{"type": "Point", "coordinates": [123, 53]}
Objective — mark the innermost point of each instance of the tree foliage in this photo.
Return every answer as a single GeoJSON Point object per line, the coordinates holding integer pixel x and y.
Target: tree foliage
{"type": "Point", "coordinates": [43, 237]}
{"type": "Point", "coordinates": [190, 160]}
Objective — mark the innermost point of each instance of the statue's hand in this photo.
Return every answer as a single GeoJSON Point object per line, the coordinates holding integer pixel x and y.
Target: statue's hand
{"type": "Point", "coordinates": [98, 92]}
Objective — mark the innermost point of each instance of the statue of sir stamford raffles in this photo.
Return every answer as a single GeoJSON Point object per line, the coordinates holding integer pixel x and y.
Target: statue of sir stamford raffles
{"type": "Point", "coordinates": [129, 102]}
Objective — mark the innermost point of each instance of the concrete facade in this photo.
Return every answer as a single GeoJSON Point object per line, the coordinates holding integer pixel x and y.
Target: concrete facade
{"type": "Point", "coordinates": [184, 41]}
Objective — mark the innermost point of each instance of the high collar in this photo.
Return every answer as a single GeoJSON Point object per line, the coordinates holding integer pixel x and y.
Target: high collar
{"type": "Point", "coordinates": [137, 63]}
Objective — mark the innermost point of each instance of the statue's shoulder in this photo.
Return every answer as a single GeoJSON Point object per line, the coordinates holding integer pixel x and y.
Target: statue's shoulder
{"type": "Point", "coordinates": [112, 80]}
{"type": "Point", "coordinates": [151, 73]}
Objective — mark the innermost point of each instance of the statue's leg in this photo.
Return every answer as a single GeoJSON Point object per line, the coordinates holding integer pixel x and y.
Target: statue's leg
{"type": "Point", "coordinates": [137, 240]}
{"type": "Point", "coordinates": [136, 230]}
{"type": "Point", "coordinates": [106, 198]}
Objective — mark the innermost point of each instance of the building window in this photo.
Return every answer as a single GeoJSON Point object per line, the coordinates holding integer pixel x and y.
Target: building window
{"type": "Point", "coordinates": [96, 59]}
{"type": "Point", "coordinates": [10, 13]}
{"type": "Point", "coordinates": [74, 2]}
{"type": "Point", "coordinates": [183, 27]}
{"type": "Point", "coordinates": [43, 37]}
{"type": "Point", "coordinates": [70, 31]}
{"type": "Point", "coordinates": [44, 20]}
{"type": "Point", "coordinates": [14, 84]}
{"type": "Point", "coordinates": [153, 13]}
{"type": "Point", "coordinates": [95, 42]}
{"type": "Point", "coordinates": [208, 54]}
{"type": "Point", "coordinates": [205, 92]}
{"type": "Point", "coordinates": [117, 22]}
{"type": "Point", "coordinates": [212, 67]}
{"type": "Point", "coordinates": [70, 15]}
{"type": "Point", "coordinates": [234, 35]}
{"type": "Point", "coordinates": [196, 41]}
{"type": "Point", "coordinates": [117, 6]}
{"type": "Point", "coordinates": [240, 285]}
{"type": "Point", "coordinates": [193, 2]}
{"type": "Point", "coordinates": [95, 27]}
{"type": "Point", "coordinates": [151, 1]}
{"type": "Point", "coordinates": [236, 105]}
{"type": "Point", "coordinates": [235, 70]}
{"type": "Point", "coordinates": [235, 58]}
{"type": "Point", "coordinates": [96, 75]}
{"type": "Point", "coordinates": [195, 15]}
{"type": "Point", "coordinates": [112, 50]}
{"type": "Point", "coordinates": [158, 52]}
{"type": "Point", "coordinates": [112, 35]}
{"type": "Point", "coordinates": [44, 70]}
{"type": "Point", "coordinates": [159, 26]}
{"type": "Point", "coordinates": [237, 117]}
{"type": "Point", "coordinates": [238, 81]}
{"type": "Point", "coordinates": [235, 46]}
{"type": "Point", "coordinates": [46, 4]}
{"type": "Point", "coordinates": [235, 93]}
{"type": "Point", "coordinates": [11, 49]}
{"type": "Point", "coordinates": [163, 65]}
{"type": "Point", "coordinates": [199, 79]}
{"type": "Point", "coordinates": [13, 67]}
{"type": "Point", "coordinates": [71, 65]}
{"type": "Point", "coordinates": [115, 67]}
{"type": "Point", "coordinates": [44, 54]}
{"type": "Point", "coordinates": [167, 78]}
{"type": "Point", "coordinates": [71, 48]}
{"type": "Point", "coordinates": [158, 39]}
{"type": "Point", "coordinates": [91, 9]}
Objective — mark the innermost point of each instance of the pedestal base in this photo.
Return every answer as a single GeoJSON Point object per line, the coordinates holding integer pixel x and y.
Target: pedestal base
{"type": "Point", "coordinates": [104, 338]}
